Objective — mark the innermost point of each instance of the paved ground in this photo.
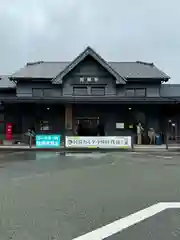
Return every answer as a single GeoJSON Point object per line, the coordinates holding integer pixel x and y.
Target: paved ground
{"type": "Point", "coordinates": [48, 195]}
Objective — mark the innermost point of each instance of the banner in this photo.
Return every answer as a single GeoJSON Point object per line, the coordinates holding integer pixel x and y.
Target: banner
{"type": "Point", "coordinates": [98, 142]}
{"type": "Point", "coordinates": [48, 140]}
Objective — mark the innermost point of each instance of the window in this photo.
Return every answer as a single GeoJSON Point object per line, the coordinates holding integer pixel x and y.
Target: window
{"type": "Point", "coordinates": [44, 125]}
{"type": "Point", "coordinates": [48, 92]}
{"type": "Point", "coordinates": [100, 91]}
{"type": "Point", "coordinates": [37, 92]}
{"type": "Point", "coordinates": [140, 92]}
{"type": "Point", "coordinates": [130, 93]}
{"type": "Point", "coordinates": [136, 92]}
{"type": "Point", "coordinates": [80, 91]}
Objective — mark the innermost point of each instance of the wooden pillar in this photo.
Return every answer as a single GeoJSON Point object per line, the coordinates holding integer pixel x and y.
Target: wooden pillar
{"type": "Point", "coordinates": [68, 119]}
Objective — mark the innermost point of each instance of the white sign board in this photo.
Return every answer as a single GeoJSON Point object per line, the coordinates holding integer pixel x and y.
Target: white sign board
{"type": "Point", "coordinates": [120, 125]}
{"type": "Point", "coordinates": [98, 142]}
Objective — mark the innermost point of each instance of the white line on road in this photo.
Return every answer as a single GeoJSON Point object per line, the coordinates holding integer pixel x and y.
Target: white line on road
{"type": "Point", "coordinates": [31, 176]}
{"type": "Point", "coordinates": [159, 156]}
{"type": "Point", "coordinates": [123, 223]}
{"type": "Point", "coordinates": [2, 155]}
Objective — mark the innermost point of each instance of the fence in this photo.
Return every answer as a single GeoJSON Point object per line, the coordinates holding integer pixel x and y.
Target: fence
{"type": "Point", "coordinates": [169, 142]}
{"type": "Point", "coordinates": [20, 139]}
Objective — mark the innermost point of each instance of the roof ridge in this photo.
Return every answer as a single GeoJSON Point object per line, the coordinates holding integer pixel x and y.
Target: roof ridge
{"type": "Point", "coordinates": [145, 63]}
{"type": "Point", "coordinates": [121, 61]}
{"type": "Point", "coordinates": [34, 63]}
{"type": "Point", "coordinates": [57, 61]}
{"type": "Point", "coordinates": [41, 61]}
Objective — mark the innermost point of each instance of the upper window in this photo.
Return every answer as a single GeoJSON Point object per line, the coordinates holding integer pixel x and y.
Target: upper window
{"type": "Point", "coordinates": [37, 92]}
{"type": "Point", "coordinates": [140, 92]}
{"type": "Point", "coordinates": [136, 92]}
{"type": "Point", "coordinates": [130, 92]}
{"type": "Point", "coordinates": [48, 92]}
{"type": "Point", "coordinates": [100, 91]}
{"type": "Point", "coordinates": [80, 91]}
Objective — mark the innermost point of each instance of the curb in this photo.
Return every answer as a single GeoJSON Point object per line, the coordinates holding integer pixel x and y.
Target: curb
{"type": "Point", "coordinates": [145, 150]}
{"type": "Point", "coordinates": [64, 149]}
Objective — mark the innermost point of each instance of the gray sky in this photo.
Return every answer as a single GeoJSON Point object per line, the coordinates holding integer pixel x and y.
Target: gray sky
{"type": "Point", "coordinates": [118, 30]}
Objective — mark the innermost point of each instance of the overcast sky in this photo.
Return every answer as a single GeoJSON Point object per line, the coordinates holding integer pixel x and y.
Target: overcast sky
{"type": "Point", "coordinates": [119, 30]}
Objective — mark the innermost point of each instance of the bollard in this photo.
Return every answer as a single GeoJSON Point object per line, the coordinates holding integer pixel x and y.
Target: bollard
{"type": "Point", "coordinates": [30, 141]}
{"type": "Point", "coordinates": [132, 142]}
{"type": "Point", "coordinates": [166, 141]}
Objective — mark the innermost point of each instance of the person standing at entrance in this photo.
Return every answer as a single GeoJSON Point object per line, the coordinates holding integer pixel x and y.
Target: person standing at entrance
{"type": "Point", "coordinates": [151, 135]}
{"type": "Point", "coordinates": [139, 133]}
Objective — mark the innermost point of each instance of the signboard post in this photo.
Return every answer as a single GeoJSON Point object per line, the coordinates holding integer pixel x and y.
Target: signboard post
{"type": "Point", "coordinates": [99, 142]}
{"type": "Point", "coordinates": [48, 141]}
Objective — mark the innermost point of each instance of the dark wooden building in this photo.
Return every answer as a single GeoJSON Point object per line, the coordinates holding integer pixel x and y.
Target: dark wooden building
{"type": "Point", "coordinates": [55, 96]}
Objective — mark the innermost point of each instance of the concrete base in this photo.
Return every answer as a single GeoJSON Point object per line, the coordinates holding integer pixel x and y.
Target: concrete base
{"type": "Point", "coordinates": [151, 148]}
{"type": "Point", "coordinates": [137, 148]}
{"type": "Point", "coordinates": [8, 143]}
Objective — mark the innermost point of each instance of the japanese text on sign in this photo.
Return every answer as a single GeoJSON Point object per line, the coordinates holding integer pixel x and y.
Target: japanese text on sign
{"type": "Point", "coordinates": [48, 140]}
{"type": "Point", "coordinates": [99, 142]}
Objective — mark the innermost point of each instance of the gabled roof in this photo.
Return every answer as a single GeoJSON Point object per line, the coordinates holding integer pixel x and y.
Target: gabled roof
{"type": "Point", "coordinates": [128, 70]}
{"type": "Point", "coordinates": [88, 52]}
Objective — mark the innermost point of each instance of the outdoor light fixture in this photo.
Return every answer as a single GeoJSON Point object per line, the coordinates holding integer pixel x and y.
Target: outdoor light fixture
{"type": "Point", "coordinates": [130, 109]}
{"type": "Point", "coordinates": [48, 108]}
{"type": "Point", "coordinates": [170, 121]}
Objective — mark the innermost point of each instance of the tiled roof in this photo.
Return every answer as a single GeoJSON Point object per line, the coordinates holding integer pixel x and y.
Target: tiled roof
{"type": "Point", "coordinates": [138, 70]}
{"type": "Point", "coordinates": [131, 70]}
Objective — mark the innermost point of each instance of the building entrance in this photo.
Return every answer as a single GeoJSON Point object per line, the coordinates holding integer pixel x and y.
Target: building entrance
{"type": "Point", "coordinates": [88, 126]}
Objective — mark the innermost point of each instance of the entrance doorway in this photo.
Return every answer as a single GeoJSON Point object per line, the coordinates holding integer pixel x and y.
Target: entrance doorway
{"type": "Point", "coordinates": [88, 126]}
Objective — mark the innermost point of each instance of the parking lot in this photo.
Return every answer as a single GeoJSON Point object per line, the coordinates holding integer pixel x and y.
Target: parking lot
{"type": "Point", "coordinates": [49, 195]}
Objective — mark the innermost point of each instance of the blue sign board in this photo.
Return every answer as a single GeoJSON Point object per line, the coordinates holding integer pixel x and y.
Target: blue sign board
{"type": "Point", "coordinates": [48, 140]}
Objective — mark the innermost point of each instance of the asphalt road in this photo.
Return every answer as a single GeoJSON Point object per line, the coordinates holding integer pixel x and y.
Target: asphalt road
{"type": "Point", "coordinates": [59, 196]}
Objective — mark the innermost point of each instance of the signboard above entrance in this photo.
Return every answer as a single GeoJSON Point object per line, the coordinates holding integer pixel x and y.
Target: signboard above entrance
{"type": "Point", "coordinates": [98, 142]}
{"type": "Point", "coordinates": [89, 79]}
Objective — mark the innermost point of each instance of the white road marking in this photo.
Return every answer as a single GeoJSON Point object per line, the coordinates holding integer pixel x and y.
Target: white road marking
{"type": "Point", "coordinates": [163, 157]}
{"type": "Point", "coordinates": [123, 223]}
{"type": "Point", "coordinates": [11, 153]}
{"type": "Point", "coordinates": [135, 153]}
{"type": "Point", "coordinates": [22, 178]}
{"type": "Point", "coordinates": [159, 156]}
{"type": "Point", "coordinates": [85, 155]}
{"type": "Point", "coordinates": [31, 176]}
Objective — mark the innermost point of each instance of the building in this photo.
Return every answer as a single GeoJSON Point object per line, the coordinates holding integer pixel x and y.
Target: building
{"type": "Point", "coordinates": [55, 96]}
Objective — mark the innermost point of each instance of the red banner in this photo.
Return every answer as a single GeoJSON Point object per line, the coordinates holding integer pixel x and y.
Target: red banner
{"type": "Point", "coordinates": [8, 131]}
